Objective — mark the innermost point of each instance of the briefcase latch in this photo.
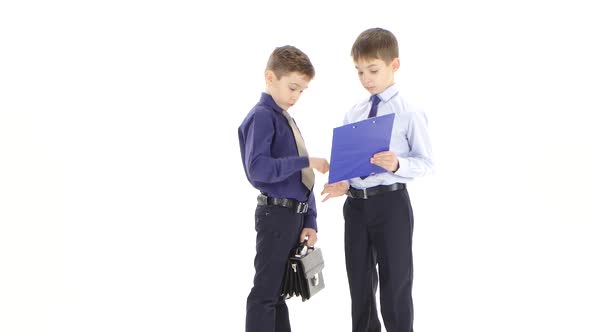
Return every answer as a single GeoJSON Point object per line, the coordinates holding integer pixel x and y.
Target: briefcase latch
{"type": "Point", "coordinates": [315, 280]}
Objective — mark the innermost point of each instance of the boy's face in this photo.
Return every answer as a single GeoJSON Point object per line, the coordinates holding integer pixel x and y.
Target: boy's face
{"type": "Point", "coordinates": [376, 75]}
{"type": "Point", "coordinates": [287, 90]}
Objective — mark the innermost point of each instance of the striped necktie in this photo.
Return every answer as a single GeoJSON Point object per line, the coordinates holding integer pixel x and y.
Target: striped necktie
{"type": "Point", "coordinates": [307, 175]}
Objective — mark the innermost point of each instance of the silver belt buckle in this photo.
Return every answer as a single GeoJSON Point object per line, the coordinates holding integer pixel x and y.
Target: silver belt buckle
{"type": "Point", "coordinates": [262, 199]}
{"type": "Point", "coordinates": [301, 208]}
{"type": "Point", "coordinates": [365, 194]}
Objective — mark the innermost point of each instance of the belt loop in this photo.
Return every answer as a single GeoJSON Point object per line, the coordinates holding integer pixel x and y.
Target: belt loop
{"type": "Point", "coordinates": [365, 194]}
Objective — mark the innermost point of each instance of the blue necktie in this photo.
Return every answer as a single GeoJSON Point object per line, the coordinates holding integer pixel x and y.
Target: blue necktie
{"type": "Point", "coordinates": [375, 101]}
{"type": "Point", "coordinates": [373, 113]}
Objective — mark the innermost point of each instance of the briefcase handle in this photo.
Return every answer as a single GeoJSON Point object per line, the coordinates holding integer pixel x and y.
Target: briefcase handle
{"type": "Point", "coordinates": [303, 249]}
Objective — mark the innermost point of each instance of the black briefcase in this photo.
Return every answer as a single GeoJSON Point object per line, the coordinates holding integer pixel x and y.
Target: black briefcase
{"type": "Point", "coordinates": [303, 275]}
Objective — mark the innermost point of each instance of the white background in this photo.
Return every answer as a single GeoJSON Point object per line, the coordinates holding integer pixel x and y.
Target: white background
{"type": "Point", "coordinates": [124, 205]}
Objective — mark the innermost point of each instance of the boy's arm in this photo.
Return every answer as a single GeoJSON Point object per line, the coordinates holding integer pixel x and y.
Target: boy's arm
{"type": "Point", "coordinates": [309, 220]}
{"type": "Point", "coordinates": [261, 167]}
{"type": "Point", "coordinates": [418, 161]}
{"type": "Point", "coordinates": [309, 223]}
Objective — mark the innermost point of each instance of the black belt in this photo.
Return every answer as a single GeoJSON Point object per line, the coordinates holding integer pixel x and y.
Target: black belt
{"type": "Point", "coordinates": [366, 193]}
{"type": "Point", "coordinates": [295, 205]}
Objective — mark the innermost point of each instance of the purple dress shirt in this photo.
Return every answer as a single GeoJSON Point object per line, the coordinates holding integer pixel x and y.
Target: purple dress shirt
{"type": "Point", "coordinates": [270, 158]}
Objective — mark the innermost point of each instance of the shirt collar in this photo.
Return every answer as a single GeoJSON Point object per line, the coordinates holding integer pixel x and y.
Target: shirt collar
{"type": "Point", "coordinates": [389, 93]}
{"type": "Point", "coordinates": [267, 100]}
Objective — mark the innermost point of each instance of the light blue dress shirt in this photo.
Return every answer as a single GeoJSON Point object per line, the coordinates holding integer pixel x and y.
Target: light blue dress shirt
{"type": "Point", "coordinates": [409, 140]}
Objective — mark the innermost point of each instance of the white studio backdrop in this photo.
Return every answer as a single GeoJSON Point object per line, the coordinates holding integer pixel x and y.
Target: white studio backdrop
{"type": "Point", "coordinates": [124, 205]}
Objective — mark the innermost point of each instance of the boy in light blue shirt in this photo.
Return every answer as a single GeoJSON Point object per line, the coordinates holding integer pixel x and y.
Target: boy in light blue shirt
{"type": "Point", "coordinates": [378, 213]}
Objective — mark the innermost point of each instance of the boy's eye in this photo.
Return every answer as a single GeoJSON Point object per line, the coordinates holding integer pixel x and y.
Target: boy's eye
{"type": "Point", "coordinates": [374, 71]}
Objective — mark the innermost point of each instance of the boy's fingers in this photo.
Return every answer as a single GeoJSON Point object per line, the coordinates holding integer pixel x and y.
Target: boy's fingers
{"type": "Point", "coordinates": [303, 235]}
{"type": "Point", "coordinates": [383, 154]}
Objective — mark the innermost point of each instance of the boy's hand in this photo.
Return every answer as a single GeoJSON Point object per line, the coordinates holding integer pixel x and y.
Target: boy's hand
{"type": "Point", "coordinates": [335, 189]}
{"type": "Point", "coordinates": [320, 164]}
{"type": "Point", "coordinates": [311, 235]}
{"type": "Point", "coordinates": [386, 159]}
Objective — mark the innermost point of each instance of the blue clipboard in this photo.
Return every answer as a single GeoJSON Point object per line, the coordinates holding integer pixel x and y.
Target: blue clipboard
{"type": "Point", "coordinates": [354, 144]}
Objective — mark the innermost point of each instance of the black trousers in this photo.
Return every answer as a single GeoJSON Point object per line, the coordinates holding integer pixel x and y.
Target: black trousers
{"type": "Point", "coordinates": [378, 232]}
{"type": "Point", "coordinates": [277, 232]}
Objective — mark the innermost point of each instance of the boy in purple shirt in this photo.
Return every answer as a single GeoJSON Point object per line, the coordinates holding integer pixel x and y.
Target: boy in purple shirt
{"type": "Point", "coordinates": [275, 161]}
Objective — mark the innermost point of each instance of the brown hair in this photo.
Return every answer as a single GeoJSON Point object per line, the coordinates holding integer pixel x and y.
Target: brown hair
{"type": "Point", "coordinates": [375, 43]}
{"type": "Point", "coordinates": [287, 59]}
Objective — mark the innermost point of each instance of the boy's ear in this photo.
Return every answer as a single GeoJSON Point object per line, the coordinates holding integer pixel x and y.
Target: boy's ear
{"type": "Point", "coordinates": [269, 77]}
{"type": "Point", "coordinates": [395, 64]}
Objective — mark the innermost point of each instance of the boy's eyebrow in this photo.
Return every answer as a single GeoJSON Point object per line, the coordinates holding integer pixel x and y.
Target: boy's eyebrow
{"type": "Point", "coordinates": [296, 84]}
{"type": "Point", "coordinates": [371, 65]}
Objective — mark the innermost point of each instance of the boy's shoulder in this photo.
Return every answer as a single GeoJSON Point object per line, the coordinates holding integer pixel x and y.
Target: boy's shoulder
{"type": "Point", "coordinates": [410, 102]}
{"type": "Point", "coordinates": [355, 111]}
{"type": "Point", "coordinates": [260, 112]}
{"type": "Point", "coordinates": [358, 105]}
{"type": "Point", "coordinates": [261, 109]}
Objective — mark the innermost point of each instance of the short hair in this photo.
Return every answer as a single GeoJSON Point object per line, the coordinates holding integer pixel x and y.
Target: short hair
{"type": "Point", "coordinates": [375, 43]}
{"type": "Point", "coordinates": [287, 59]}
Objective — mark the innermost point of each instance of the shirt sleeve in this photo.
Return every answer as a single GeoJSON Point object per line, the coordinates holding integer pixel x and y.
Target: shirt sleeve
{"type": "Point", "coordinates": [311, 215]}
{"type": "Point", "coordinates": [260, 165]}
{"type": "Point", "coordinates": [418, 161]}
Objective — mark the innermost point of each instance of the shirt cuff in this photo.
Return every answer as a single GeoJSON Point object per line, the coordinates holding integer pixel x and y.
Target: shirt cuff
{"type": "Point", "coordinates": [310, 222]}
{"type": "Point", "coordinates": [402, 167]}
{"type": "Point", "coordinates": [302, 162]}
